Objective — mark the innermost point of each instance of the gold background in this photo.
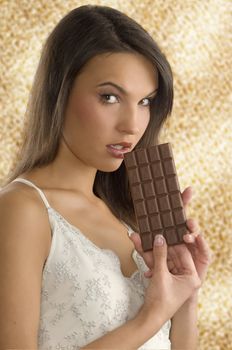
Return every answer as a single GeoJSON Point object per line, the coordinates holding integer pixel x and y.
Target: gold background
{"type": "Point", "coordinates": [196, 37]}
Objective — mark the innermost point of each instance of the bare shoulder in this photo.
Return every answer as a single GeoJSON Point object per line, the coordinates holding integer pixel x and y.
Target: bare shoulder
{"type": "Point", "coordinates": [24, 245]}
{"type": "Point", "coordinates": [22, 208]}
{"type": "Point", "coordinates": [19, 195]}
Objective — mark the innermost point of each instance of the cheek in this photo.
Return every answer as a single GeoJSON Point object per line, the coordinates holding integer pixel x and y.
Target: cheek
{"type": "Point", "coordinates": [97, 120]}
{"type": "Point", "coordinates": [144, 121]}
{"type": "Point", "coordinates": [84, 112]}
{"type": "Point", "coordinates": [85, 115]}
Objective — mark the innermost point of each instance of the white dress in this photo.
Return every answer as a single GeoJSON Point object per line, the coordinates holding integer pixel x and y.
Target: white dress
{"type": "Point", "coordinates": [84, 293]}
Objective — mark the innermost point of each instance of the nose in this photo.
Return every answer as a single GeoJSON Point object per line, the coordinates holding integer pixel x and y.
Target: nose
{"type": "Point", "coordinates": [128, 121]}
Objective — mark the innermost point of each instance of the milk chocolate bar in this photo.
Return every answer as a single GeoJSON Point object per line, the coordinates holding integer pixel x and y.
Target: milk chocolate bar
{"type": "Point", "coordinates": [156, 194]}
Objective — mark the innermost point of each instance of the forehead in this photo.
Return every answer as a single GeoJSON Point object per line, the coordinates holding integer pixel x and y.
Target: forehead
{"type": "Point", "coordinates": [127, 69]}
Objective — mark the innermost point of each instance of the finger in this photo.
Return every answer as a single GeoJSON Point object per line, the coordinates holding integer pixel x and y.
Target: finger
{"type": "Point", "coordinates": [187, 196]}
{"type": "Point", "coordinates": [175, 271]}
{"type": "Point", "coordinates": [160, 254]}
{"type": "Point", "coordinates": [182, 258]}
{"type": "Point", "coordinates": [135, 238]}
{"type": "Point", "coordinates": [170, 264]}
{"type": "Point", "coordinates": [148, 274]}
{"type": "Point", "coordinates": [147, 256]}
{"type": "Point", "coordinates": [203, 248]}
{"type": "Point", "coordinates": [192, 225]}
{"type": "Point", "coordinates": [171, 268]}
{"type": "Point", "coordinates": [186, 259]}
{"type": "Point", "coordinates": [189, 238]}
{"type": "Point", "coordinates": [174, 258]}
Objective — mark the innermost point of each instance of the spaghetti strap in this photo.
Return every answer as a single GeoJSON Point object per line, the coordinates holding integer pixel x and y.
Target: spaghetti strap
{"type": "Point", "coordinates": [129, 229]}
{"type": "Point", "coordinates": [44, 199]}
{"type": "Point", "coordinates": [29, 183]}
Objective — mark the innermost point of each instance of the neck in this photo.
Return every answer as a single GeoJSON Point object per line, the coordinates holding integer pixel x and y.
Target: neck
{"type": "Point", "coordinates": [67, 171]}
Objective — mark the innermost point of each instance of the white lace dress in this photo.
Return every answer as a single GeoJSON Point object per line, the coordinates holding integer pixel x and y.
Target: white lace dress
{"type": "Point", "coordinates": [84, 293]}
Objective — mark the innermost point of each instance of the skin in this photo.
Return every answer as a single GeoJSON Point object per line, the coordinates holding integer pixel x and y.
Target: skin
{"type": "Point", "coordinates": [193, 257]}
{"type": "Point", "coordinates": [97, 116]}
{"type": "Point", "coordinates": [90, 124]}
{"type": "Point", "coordinates": [68, 181]}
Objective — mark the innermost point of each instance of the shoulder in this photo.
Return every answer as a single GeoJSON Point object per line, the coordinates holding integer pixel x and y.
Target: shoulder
{"type": "Point", "coordinates": [17, 191]}
{"type": "Point", "coordinates": [24, 244]}
{"type": "Point", "coordinates": [24, 216]}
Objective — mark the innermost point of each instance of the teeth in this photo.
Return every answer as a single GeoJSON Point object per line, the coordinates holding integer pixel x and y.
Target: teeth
{"type": "Point", "coordinates": [117, 146]}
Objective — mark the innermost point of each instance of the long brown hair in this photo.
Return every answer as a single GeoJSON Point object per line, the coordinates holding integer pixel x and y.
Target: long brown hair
{"type": "Point", "coordinates": [83, 33]}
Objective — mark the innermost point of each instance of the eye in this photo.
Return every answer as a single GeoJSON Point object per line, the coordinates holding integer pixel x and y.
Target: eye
{"type": "Point", "coordinates": [109, 98]}
{"type": "Point", "coordinates": [146, 102]}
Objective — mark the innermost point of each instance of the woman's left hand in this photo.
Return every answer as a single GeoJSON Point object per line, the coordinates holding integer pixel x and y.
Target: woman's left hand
{"type": "Point", "coordinates": [195, 243]}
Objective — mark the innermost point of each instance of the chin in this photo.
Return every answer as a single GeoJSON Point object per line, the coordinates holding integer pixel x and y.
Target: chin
{"type": "Point", "coordinates": [109, 168]}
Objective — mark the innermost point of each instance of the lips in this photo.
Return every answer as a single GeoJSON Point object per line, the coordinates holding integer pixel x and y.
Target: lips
{"type": "Point", "coordinates": [118, 149]}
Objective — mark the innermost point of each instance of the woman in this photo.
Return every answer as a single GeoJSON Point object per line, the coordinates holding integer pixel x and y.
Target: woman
{"type": "Point", "coordinates": [72, 277]}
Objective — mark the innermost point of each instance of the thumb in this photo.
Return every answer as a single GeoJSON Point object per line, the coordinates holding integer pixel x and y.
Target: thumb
{"type": "Point", "coordinates": [160, 253]}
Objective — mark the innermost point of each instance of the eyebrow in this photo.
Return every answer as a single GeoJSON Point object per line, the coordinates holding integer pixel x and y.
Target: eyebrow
{"type": "Point", "coordinates": [121, 89]}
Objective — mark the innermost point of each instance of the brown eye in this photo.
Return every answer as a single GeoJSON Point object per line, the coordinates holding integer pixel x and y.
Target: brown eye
{"type": "Point", "coordinates": [109, 98]}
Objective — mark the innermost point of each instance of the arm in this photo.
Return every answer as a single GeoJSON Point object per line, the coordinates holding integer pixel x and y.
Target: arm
{"type": "Point", "coordinates": [24, 233]}
{"type": "Point", "coordinates": [184, 332]}
{"type": "Point", "coordinates": [184, 320]}
{"type": "Point", "coordinates": [131, 335]}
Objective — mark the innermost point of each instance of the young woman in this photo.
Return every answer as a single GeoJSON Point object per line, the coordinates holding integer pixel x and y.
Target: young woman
{"type": "Point", "coordinates": [73, 274]}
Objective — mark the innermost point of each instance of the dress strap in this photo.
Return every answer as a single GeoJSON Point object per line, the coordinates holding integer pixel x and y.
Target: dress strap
{"type": "Point", "coordinates": [129, 229]}
{"type": "Point", "coordinates": [29, 183]}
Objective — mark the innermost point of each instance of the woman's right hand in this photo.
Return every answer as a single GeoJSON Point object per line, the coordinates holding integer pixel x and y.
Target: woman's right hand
{"type": "Point", "coordinates": [166, 292]}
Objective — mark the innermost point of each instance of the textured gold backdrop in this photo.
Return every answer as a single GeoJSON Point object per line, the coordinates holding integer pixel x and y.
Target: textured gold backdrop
{"type": "Point", "coordinates": [196, 37]}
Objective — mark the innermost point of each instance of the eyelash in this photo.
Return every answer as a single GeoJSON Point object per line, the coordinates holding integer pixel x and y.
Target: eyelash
{"type": "Point", "coordinates": [150, 99]}
{"type": "Point", "coordinates": [104, 100]}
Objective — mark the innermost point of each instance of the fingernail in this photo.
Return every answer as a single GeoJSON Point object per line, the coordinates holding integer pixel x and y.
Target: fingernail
{"type": "Point", "coordinates": [189, 237]}
{"type": "Point", "coordinates": [159, 240]}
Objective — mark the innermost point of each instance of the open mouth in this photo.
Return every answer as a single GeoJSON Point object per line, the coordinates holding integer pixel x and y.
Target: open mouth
{"type": "Point", "coordinates": [118, 150]}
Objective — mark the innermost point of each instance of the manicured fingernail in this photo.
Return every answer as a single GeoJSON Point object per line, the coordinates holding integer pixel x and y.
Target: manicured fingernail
{"type": "Point", "coordinates": [189, 237]}
{"type": "Point", "coordinates": [159, 240]}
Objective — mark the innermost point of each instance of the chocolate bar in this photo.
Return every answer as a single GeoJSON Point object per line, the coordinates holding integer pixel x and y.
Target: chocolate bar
{"type": "Point", "coordinates": [156, 194]}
